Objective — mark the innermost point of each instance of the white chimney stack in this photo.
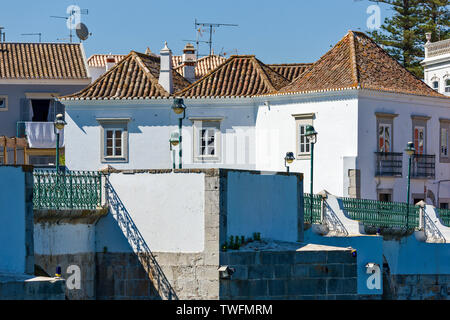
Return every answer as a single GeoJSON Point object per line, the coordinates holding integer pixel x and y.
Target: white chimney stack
{"type": "Point", "coordinates": [110, 62]}
{"type": "Point", "coordinates": [189, 62]}
{"type": "Point", "coordinates": [165, 73]}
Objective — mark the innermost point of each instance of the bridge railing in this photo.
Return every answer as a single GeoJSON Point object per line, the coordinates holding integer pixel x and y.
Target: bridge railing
{"type": "Point", "coordinates": [66, 190]}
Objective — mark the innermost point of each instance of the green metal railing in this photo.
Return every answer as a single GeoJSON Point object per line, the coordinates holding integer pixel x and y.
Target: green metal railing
{"type": "Point", "coordinates": [372, 213]}
{"type": "Point", "coordinates": [66, 190]}
{"type": "Point", "coordinates": [382, 214]}
{"type": "Point", "coordinates": [315, 215]}
{"type": "Point", "coordinates": [444, 214]}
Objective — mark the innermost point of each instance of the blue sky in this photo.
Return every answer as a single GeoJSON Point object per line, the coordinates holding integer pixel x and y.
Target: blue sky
{"type": "Point", "coordinates": [279, 31]}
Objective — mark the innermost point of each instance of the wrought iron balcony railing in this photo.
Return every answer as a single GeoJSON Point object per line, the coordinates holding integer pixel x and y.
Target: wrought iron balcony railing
{"type": "Point", "coordinates": [423, 166]}
{"type": "Point", "coordinates": [66, 190]}
{"type": "Point", "coordinates": [388, 164]}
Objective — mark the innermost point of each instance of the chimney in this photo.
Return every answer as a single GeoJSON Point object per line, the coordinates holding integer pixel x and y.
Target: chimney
{"type": "Point", "coordinates": [110, 62]}
{"type": "Point", "coordinates": [189, 62]}
{"type": "Point", "coordinates": [165, 72]}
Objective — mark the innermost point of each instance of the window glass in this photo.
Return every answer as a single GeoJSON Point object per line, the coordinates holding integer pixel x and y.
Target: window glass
{"type": "Point", "coordinates": [384, 137]}
{"type": "Point", "coordinates": [304, 145]}
{"type": "Point", "coordinates": [419, 140]}
{"type": "Point", "coordinates": [2, 103]}
{"type": "Point", "coordinates": [436, 85]}
{"type": "Point", "coordinates": [207, 141]}
{"type": "Point", "coordinates": [444, 142]}
{"type": "Point", "coordinates": [113, 143]}
{"type": "Point", "coordinates": [447, 85]}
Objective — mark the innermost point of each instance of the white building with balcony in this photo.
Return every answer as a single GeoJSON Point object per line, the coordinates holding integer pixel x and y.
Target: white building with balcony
{"type": "Point", "coordinates": [364, 105]}
{"type": "Point", "coordinates": [437, 65]}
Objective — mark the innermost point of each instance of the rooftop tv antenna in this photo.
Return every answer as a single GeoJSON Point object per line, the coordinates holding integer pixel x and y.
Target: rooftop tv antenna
{"type": "Point", "coordinates": [33, 34]}
{"type": "Point", "coordinates": [71, 15]}
{"type": "Point", "coordinates": [211, 26]}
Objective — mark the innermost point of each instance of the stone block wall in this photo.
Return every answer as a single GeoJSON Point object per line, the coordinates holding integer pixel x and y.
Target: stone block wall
{"type": "Point", "coordinates": [290, 275]}
{"type": "Point", "coordinates": [416, 287]}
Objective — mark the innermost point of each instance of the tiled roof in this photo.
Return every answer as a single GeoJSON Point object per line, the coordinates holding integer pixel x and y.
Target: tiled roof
{"type": "Point", "coordinates": [99, 60]}
{"type": "Point", "coordinates": [290, 71]}
{"type": "Point", "coordinates": [41, 61]}
{"type": "Point", "coordinates": [240, 75]}
{"type": "Point", "coordinates": [136, 76]}
{"type": "Point", "coordinates": [358, 62]}
{"type": "Point", "coordinates": [203, 66]}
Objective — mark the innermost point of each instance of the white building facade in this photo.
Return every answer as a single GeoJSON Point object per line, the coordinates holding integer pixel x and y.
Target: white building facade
{"type": "Point", "coordinates": [437, 65]}
{"type": "Point", "coordinates": [364, 123]}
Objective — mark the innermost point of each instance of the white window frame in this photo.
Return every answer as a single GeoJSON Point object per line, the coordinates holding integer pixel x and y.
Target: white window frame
{"type": "Point", "coordinates": [447, 85]}
{"type": "Point", "coordinates": [113, 124]}
{"type": "Point", "coordinates": [435, 82]}
{"type": "Point", "coordinates": [301, 121]}
{"type": "Point", "coordinates": [5, 98]}
{"type": "Point", "coordinates": [209, 124]}
{"type": "Point", "coordinates": [419, 129]}
{"type": "Point", "coordinates": [114, 146]}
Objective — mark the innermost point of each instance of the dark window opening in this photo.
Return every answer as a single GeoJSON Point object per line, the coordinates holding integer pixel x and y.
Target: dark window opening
{"type": "Point", "coordinates": [41, 109]}
{"type": "Point", "coordinates": [443, 205]}
{"type": "Point", "coordinates": [385, 197]}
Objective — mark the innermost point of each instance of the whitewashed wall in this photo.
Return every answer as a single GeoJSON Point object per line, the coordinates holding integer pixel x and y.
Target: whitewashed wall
{"type": "Point", "coordinates": [149, 131]}
{"type": "Point", "coordinates": [65, 238]}
{"type": "Point", "coordinates": [12, 220]}
{"type": "Point", "coordinates": [265, 203]}
{"type": "Point", "coordinates": [404, 106]}
{"type": "Point", "coordinates": [167, 209]}
{"type": "Point", "coordinates": [336, 123]}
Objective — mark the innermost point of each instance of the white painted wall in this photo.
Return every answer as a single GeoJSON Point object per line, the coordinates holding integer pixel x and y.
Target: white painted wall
{"type": "Point", "coordinates": [55, 238]}
{"type": "Point", "coordinates": [336, 121]}
{"type": "Point", "coordinates": [12, 220]}
{"type": "Point", "coordinates": [263, 203]}
{"type": "Point", "coordinates": [404, 106]}
{"type": "Point", "coordinates": [168, 210]}
{"type": "Point", "coordinates": [149, 131]}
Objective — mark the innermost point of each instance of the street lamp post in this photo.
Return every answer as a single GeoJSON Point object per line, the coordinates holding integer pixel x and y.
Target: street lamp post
{"type": "Point", "coordinates": [179, 108]}
{"type": "Point", "coordinates": [173, 142]}
{"type": "Point", "coordinates": [288, 159]}
{"type": "Point", "coordinates": [58, 125]}
{"type": "Point", "coordinates": [311, 135]}
{"type": "Point", "coordinates": [410, 150]}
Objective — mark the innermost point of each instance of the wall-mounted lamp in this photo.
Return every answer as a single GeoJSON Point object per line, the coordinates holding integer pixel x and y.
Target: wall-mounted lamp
{"type": "Point", "coordinates": [58, 125]}
{"type": "Point", "coordinates": [225, 272]}
{"type": "Point", "coordinates": [288, 159]}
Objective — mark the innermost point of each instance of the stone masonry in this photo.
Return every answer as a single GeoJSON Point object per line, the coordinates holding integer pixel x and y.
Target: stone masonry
{"type": "Point", "coordinates": [312, 274]}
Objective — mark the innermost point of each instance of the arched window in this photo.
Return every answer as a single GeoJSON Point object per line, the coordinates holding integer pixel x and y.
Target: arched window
{"type": "Point", "coordinates": [435, 85]}
{"type": "Point", "coordinates": [447, 85]}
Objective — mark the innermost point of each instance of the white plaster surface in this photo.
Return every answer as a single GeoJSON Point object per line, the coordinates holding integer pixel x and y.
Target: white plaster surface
{"type": "Point", "coordinates": [12, 220]}
{"type": "Point", "coordinates": [55, 239]}
{"type": "Point", "coordinates": [167, 209]}
{"type": "Point", "coordinates": [262, 203]}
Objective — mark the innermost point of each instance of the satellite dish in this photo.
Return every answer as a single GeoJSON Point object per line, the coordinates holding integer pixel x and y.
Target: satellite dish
{"type": "Point", "coordinates": [82, 31]}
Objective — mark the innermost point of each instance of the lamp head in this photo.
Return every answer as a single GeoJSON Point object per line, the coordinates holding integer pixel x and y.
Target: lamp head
{"type": "Point", "coordinates": [174, 139]}
{"type": "Point", "coordinates": [178, 105]}
{"type": "Point", "coordinates": [289, 157]}
{"type": "Point", "coordinates": [311, 134]}
{"type": "Point", "coordinates": [59, 122]}
{"type": "Point", "coordinates": [410, 150]}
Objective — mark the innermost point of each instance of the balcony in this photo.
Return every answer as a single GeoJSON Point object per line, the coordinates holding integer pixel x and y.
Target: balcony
{"type": "Point", "coordinates": [388, 164]}
{"type": "Point", "coordinates": [40, 135]}
{"type": "Point", "coordinates": [423, 166]}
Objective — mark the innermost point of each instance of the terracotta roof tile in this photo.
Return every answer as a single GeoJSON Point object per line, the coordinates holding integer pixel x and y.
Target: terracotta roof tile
{"type": "Point", "coordinates": [99, 60]}
{"type": "Point", "coordinates": [240, 75]}
{"type": "Point", "coordinates": [358, 62]}
{"type": "Point", "coordinates": [203, 66]}
{"type": "Point", "coordinates": [42, 61]}
{"type": "Point", "coordinates": [136, 76]}
{"type": "Point", "coordinates": [290, 71]}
